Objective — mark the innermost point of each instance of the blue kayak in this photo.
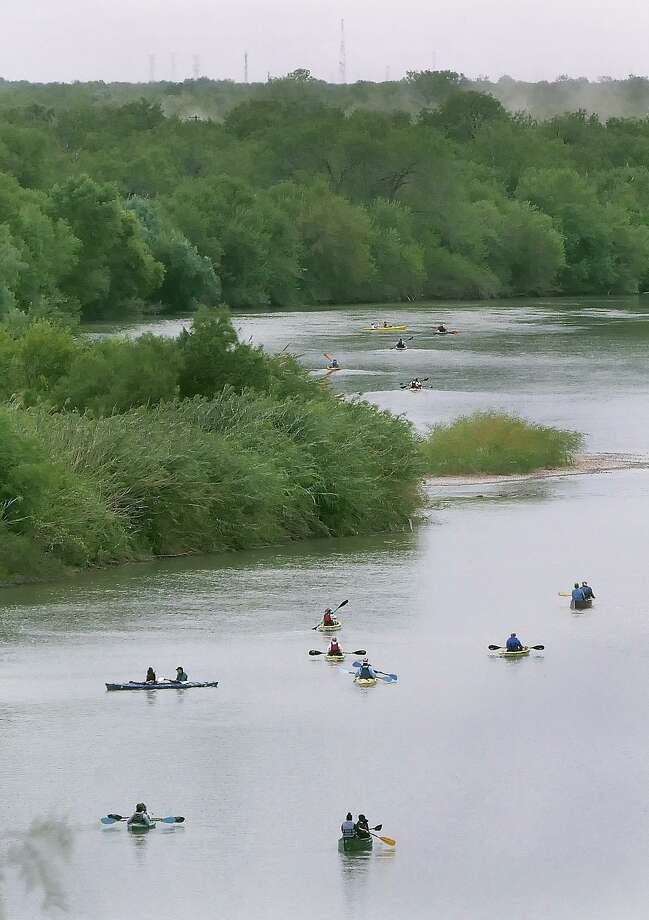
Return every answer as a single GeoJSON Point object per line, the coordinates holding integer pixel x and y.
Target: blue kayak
{"type": "Point", "coordinates": [162, 685]}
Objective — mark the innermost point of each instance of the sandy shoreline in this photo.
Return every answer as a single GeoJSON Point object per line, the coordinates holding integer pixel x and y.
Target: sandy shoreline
{"type": "Point", "coordinates": [584, 464]}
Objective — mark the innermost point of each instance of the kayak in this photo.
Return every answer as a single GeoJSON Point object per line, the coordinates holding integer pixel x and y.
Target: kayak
{"type": "Point", "coordinates": [400, 328]}
{"type": "Point", "coordinates": [167, 685]}
{"type": "Point", "coordinates": [329, 657]}
{"type": "Point", "coordinates": [365, 681]}
{"type": "Point", "coordinates": [413, 389]}
{"type": "Point", "coordinates": [141, 828]}
{"type": "Point", "coordinates": [333, 628]}
{"type": "Point", "coordinates": [331, 367]}
{"type": "Point", "coordinates": [581, 605]}
{"type": "Point", "coordinates": [521, 653]}
{"type": "Point", "coordinates": [354, 844]}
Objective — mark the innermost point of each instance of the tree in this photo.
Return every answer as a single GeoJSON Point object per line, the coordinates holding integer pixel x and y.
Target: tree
{"type": "Point", "coordinates": [463, 114]}
{"type": "Point", "coordinates": [115, 266]}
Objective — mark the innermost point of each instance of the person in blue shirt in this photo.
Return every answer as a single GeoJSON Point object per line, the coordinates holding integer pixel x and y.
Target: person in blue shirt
{"type": "Point", "coordinates": [577, 593]}
{"type": "Point", "coordinates": [514, 643]}
{"type": "Point", "coordinates": [333, 364]}
{"type": "Point", "coordinates": [587, 590]}
{"type": "Point", "coordinates": [181, 675]}
{"type": "Point", "coordinates": [365, 671]}
{"type": "Point", "coordinates": [348, 827]}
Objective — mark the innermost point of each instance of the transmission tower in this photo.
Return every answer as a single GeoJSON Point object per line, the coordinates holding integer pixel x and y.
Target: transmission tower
{"type": "Point", "coordinates": [197, 67]}
{"type": "Point", "coordinates": [173, 67]}
{"type": "Point", "coordinates": [342, 63]}
{"type": "Point", "coordinates": [245, 67]}
{"type": "Point", "coordinates": [152, 68]}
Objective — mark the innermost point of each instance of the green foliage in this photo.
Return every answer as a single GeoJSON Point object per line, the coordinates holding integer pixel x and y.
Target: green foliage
{"type": "Point", "coordinates": [117, 199]}
{"type": "Point", "coordinates": [490, 442]}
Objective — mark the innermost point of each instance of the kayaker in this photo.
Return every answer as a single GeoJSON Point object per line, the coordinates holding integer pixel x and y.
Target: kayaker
{"type": "Point", "coordinates": [374, 325]}
{"type": "Point", "coordinates": [348, 828]}
{"type": "Point", "coordinates": [334, 364]}
{"type": "Point", "coordinates": [401, 344]}
{"type": "Point", "coordinates": [327, 617]}
{"type": "Point", "coordinates": [180, 674]}
{"type": "Point", "coordinates": [441, 329]}
{"type": "Point", "coordinates": [334, 648]}
{"type": "Point", "coordinates": [587, 590]}
{"type": "Point", "coordinates": [140, 816]}
{"type": "Point", "coordinates": [577, 593]}
{"type": "Point", "coordinates": [514, 643]}
{"type": "Point", "coordinates": [415, 384]}
{"type": "Point", "coordinates": [362, 827]}
{"type": "Point", "coordinates": [365, 671]}
{"type": "Point", "coordinates": [150, 677]}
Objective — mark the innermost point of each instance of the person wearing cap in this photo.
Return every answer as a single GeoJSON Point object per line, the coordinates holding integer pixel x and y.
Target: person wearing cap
{"type": "Point", "coordinates": [150, 676]}
{"type": "Point", "coordinates": [140, 816]}
{"type": "Point", "coordinates": [401, 344]}
{"type": "Point", "coordinates": [577, 593]}
{"type": "Point", "coordinates": [514, 643]}
{"type": "Point", "coordinates": [334, 648]}
{"type": "Point", "coordinates": [587, 591]}
{"type": "Point", "coordinates": [180, 674]}
{"type": "Point", "coordinates": [362, 828]}
{"type": "Point", "coordinates": [327, 617]}
{"type": "Point", "coordinates": [365, 671]}
{"type": "Point", "coordinates": [348, 827]}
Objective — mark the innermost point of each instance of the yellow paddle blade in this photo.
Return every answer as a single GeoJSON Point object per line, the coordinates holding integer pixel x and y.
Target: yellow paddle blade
{"type": "Point", "coordinates": [564, 594]}
{"type": "Point", "coordinates": [390, 842]}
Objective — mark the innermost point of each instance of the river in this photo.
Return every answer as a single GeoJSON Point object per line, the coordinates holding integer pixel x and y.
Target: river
{"type": "Point", "coordinates": [512, 787]}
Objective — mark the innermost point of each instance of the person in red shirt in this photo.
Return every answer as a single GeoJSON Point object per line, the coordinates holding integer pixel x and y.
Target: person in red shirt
{"type": "Point", "coordinates": [327, 617]}
{"type": "Point", "coordinates": [334, 648]}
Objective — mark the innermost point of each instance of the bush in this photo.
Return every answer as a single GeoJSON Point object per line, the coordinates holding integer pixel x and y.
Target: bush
{"type": "Point", "coordinates": [491, 442]}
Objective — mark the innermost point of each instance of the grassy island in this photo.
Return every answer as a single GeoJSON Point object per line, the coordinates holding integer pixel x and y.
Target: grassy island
{"type": "Point", "coordinates": [496, 443]}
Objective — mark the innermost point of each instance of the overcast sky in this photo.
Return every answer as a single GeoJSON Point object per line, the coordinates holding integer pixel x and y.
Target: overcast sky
{"type": "Point", "coordinates": [47, 40]}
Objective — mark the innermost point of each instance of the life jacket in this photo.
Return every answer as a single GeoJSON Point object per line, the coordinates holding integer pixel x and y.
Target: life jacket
{"type": "Point", "coordinates": [335, 649]}
{"type": "Point", "coordinates": [327, 619]}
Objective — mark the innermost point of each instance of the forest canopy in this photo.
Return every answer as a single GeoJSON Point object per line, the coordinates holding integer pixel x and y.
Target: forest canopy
{"type": "Point", "coordinates": [118, 199]}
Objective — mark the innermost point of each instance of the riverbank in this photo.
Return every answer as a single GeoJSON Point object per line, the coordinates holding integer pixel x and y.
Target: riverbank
{"type": "Point", "coordinates": [585, 464]}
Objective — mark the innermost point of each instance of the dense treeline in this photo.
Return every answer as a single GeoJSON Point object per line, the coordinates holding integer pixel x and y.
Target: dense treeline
{"type": "Point", "coordinates": [114, 449]}
{"type": "Point", "coordinates": [109, 209]}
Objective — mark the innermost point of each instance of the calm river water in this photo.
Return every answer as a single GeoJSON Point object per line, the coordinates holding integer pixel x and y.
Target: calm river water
{"type": "Point", "coordinates": [513, 789]}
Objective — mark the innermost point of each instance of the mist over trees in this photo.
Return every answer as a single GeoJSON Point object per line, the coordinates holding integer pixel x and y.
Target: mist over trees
{"type": "Point", "coordinates": [118, 198]}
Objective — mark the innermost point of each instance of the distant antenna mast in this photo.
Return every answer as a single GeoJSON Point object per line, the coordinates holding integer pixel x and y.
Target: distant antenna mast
{"type": "Point", "coordinates": [173, 67]}
{"type": "Point", "coordinates": [245, 66]}
{"type": "Point", "coordinates": [387, 74]}
{"type": "Point", "coordinates": [152, 68]}
{"type": "Point", "coordinates": [342, 63]}
{"type": "Point", "coordinates": [197, 67]}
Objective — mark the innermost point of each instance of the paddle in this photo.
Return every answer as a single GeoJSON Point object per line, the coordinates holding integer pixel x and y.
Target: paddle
{"type": "Point", "coordinates": [405, 386]}
{"type": "Point", "coordinates": [359, 651]}
{"type": "Point", "coordinates": [389, 840]}
{"type": "Point", "coordinates": [536, 648]}
{"type": "Point", "coordinates": [170, 819]}
{"type": "Point", "coordinates": [565, 594]}
{"type": "Point", "coordinates": [342, 604]}
{"type": "Point", "coordinates": [359, 664]}
{"type": "Point", "coordinates": [387, 679]}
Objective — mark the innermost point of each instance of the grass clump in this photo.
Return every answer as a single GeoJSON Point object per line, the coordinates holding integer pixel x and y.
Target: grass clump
{"type": "Point", "coordinates": [497, 443]}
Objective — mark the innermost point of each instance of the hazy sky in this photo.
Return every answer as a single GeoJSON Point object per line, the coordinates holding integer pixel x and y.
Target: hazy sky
{"type": "Point", "coordinates": [45, 40]}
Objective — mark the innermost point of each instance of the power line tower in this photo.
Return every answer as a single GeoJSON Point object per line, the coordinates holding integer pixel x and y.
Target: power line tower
{"type": "Point", "coordinates": [245, 66]}
{"type": "Point", "coordinates": [342, 63]}
{"type": "Point", "coordinates": [197, 67]}
{"type": "Point", "coordinates": [152, 68]}
{"type": "Point", "coordinates": [173, 67]}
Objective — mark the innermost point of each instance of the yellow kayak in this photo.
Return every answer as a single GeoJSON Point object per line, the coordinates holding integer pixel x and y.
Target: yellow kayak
{"type": "Point", "coordinates": [329, 657]}
{"type": "Point", "coordinates": [333, 628]}
{"type": "Point", "coordinates": [400, 328]}
{"type": "Point", "coordinates": [518, 654]}
{"type": "Point", "coordinates": [365, 681]}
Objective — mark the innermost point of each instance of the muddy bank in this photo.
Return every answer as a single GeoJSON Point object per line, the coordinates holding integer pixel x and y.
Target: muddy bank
{"type": "Point", "coordinates": [584, 464]}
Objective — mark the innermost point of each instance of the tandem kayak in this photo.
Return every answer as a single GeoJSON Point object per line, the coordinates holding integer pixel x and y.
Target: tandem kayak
{"type": "Point", "coordinates": [521, 653]}
{"type": "Point", "coordinates": [333, 628]}
{"type": "Point", "coordinates": [581, 605]}
{"type": "Point", "coordinates": [365, 681]}
{"type": "Point", "coordinates": [354, 844]}
{"type": "Point", "coordinates": [400, 328]}
{"type": "Point", "coordinates": [167, 685]}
